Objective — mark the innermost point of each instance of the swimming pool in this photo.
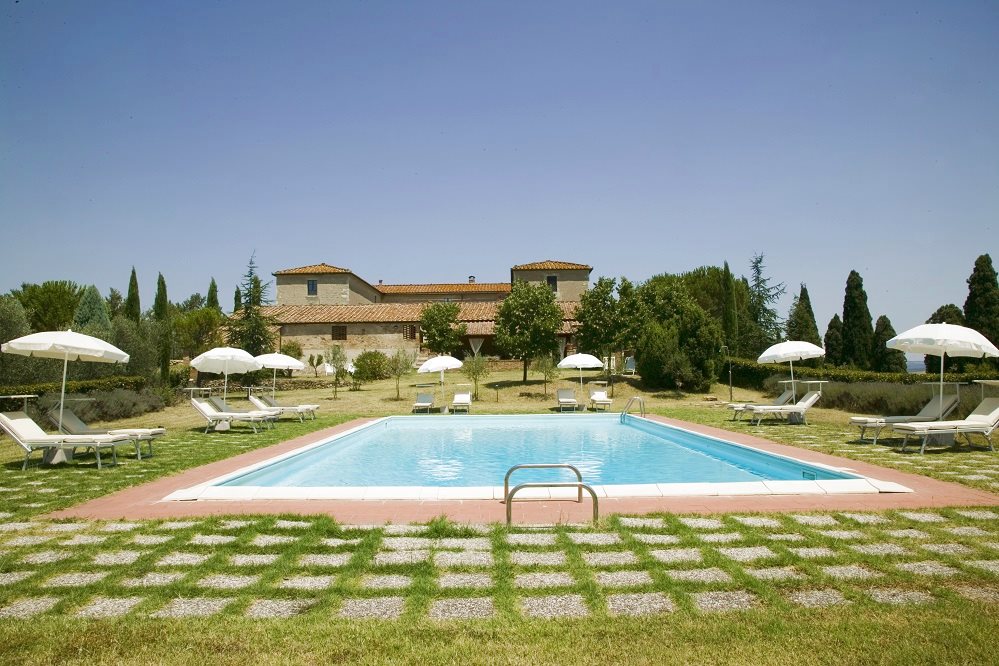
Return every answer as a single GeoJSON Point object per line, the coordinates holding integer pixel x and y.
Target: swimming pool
{"type": "Point", "coordinates": [467, 457]}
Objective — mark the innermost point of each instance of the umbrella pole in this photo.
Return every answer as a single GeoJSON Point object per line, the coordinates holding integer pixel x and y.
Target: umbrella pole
{"type": "Point", "coordinates": [942, 357]}
{"type": "Point", "coordinates": [62, 394]}
{"type": "Point", "coordinates": [273, 383]}
{"type": "Point", "coordinates": [225, 382]}
{"type": "Point", "coordinates": [794, 392]}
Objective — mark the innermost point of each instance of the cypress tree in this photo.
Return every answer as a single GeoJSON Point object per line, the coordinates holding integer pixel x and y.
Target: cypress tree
{"type": "Point", "coordinates": [801, 320]}
{"type": "Point", "coordinates": [161, 311]}
{"type": "Point", "coordinates": [237, 300]}
{"type": "Point", "coordinates": [730, 315]}
{"type": "Point", "coordinates": [92, 312]}
{"type": "Point", "coordinates": [882, 358]}
{"type": "Point", "coordinates": [945, 314]}
{"type": "Point", "coordinates": [834, 341]}
{"type": "Point", "coordinates": [858, 332]}
{"type": "Point", "coordinates": [132, 309]}
{"type": "Point", "coordinates": [212, 301]}
{"type": "Point", "coordinates": [981, 309]}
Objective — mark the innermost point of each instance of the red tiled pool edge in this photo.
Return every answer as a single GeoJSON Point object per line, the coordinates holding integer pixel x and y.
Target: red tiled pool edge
{"type": "Point", "coordinates": [144, 502]}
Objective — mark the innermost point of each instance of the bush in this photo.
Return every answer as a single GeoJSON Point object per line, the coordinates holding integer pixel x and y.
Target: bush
{"type": "Point", "coordinates": [747, 373]}
{"type": "Point", "coordinates": [84, 387]}
{"type": "Point", "coordinates": [370, 366]}
{"type": "Point", "coordinates": [107, 405]}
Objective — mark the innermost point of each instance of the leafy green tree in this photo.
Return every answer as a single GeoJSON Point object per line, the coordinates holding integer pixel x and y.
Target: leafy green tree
{"type": "Point", "coordinates": [212, 301]}
{"type": "Point", "coordinates": [315, 360]}
{"type": "Point", "coordinates": [630, 315]}
{"type": "Point", "coordinates": [442, 333]}
{"type": "Point", "coordinates": [528, 322]}
{"type": "Point", "coordinates": [92, 312]}
{"type": "Point", "coordinates": [833, 341]}
{"type": "Point", "coordinates": [659, 359]}
{"type": "Point", "coordinates": [801, 319]}
{"type": "Point", "coordinates": [161, 313]}
{"type": "Point", "coordinates": [858, 331]}
{"type": "Point", "coordinates": [981, 308]}
{"type": "Point", "coordinates": [476, 368]}
{"type": "Point", "coordinates": [139, 340]}
{"type": "Point", "coordinates": [237, 302]}
{"type": "Point", "coordinates": [337, 360]}
{"type": "Point", "coordinates": [290, 348]}
{"type": "Point", "coordinates": [370, 366]}
{"type": "Point", "coordinates": [197, 331]}
{"type": "Point", "coordinates": [14, 323]}
{"type": "Point", "coordinates": [547, 367]}
{"type": "Point", "coordinates": [132, 309]}
{"type": "Point", "coordinates": [251, 329]}
{"type": "Point", "coordinates": [193, 302]}
{"type": "Point", "coordinates": [730, 312]}
{"type": "Point", "coordinates": [597, 315]}
{"type": "Point", "coordinates": [945, 314]}
{"type": "Point", "coordinates": [762, 297]}
{"type": "Point", "coordinates": [398, 365]}
{"type": "Point", "coordinates": [51, 304]}
{"type": "Point", "coordinates": [115, 303]}
{"type": "Point", "coordinates": [884, 359]}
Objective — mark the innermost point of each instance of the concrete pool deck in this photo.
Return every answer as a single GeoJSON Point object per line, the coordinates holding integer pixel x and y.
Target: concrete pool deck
{"type": "Point", "coordinates": [147, 501]}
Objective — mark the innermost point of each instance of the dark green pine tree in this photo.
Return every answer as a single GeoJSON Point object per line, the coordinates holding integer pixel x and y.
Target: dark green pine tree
{"type": "Point", "coordinates": [858, 331]}
{"type": "Point", "coordinates": [213, 296]}
{"type": "Point", "coordinates": [133, 310]}
{"type": "Point", "coordinates": [834, 341]}
{"type": "Point", "coordinates": [884, 359]}
{"type": "Point", "coordinates": [945, 314]}
{"type": "Point", "coordinates": [161, 312]}
{"type": "Point", "coordinates": [730, 313]}
{"type": "Point", "coordinates": [981, 309]}
{"type": "Point", "coordinates": [237, 300]}
{"type": "Point", "coordinates": [92, 313]}
{"type": "Point", "coordinates": [801, 320]}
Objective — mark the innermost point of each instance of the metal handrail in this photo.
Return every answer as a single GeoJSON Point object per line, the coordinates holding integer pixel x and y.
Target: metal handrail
{"type": "Point", "coordinates": [509, 472]}
{"type": "Point", "coordinates": [627, 406]}
{"type": "Point", "coordinates": [579, 485]}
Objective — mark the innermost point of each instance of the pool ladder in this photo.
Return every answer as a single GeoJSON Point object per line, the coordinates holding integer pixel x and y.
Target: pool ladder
{"type": "Point", "coordinates": [633, 399]}
{"type": "Point", "coordinates": [577, 484]}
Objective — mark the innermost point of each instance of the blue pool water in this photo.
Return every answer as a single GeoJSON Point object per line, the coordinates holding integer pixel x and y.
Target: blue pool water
{"type": "Point", "coordinates": [478, 450]}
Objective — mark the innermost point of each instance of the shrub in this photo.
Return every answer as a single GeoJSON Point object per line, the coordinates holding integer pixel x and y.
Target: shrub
{"type": "Point", "coordinates": [85, 387]}
{"type": "Point", "coordinates": [107, 405]}
{"type": "Point", "coordinates": [370, 366]}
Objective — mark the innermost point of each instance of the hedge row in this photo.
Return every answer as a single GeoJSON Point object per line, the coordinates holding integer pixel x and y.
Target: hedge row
{"type": "Point", "coordinates": [83, 386]}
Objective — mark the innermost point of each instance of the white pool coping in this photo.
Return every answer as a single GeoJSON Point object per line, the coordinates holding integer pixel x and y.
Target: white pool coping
{"type": "Point", "coordinates": [211, 490]}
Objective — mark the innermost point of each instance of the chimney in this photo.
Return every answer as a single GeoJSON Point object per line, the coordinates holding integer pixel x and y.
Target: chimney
{"type": "Point", "coordinates": [379, 282]}
{"type": "Point", "coordinates": [471, 279]}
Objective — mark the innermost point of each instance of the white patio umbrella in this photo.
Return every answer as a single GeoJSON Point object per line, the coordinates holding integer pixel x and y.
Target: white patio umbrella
{"type": "Point", "coordinates": [580, 361]}
{"type": "Point", "coordinates": [791, 351]}
{"type": "Point", "coordinates": [68, 346]}
{"type": "Point", "coordinates": [440, 364]}
{"type": "Point", "coordinates": [279, 362]}
{"type": "Point", "coordinates": [941, 340]}
{"type": "Point", "coordinates": [228, 361]}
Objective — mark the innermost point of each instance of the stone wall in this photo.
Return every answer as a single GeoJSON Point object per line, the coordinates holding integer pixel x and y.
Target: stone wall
{"type": "Point", "coordinates": [571, 283]}
{"type": "Point", "coordinates": [317, 338]}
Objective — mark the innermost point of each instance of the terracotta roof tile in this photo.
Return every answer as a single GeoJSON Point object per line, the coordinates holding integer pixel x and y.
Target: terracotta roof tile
{"type": "Point", "coordinates": [388, 313]}
{"type": "Point", "coordinates": [444, 288]}
{"type": "Point", "coordinates": [314, 268]}
{"type": "Point", "coordinates": [552, 265]}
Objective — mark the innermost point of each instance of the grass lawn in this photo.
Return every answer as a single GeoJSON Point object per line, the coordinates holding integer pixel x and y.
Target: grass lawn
{"type": "Point", "coordinates": [828, 587]}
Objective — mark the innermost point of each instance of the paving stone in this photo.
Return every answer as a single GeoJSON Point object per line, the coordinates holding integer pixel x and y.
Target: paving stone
{"type": "Point", "coordinates": [121, 527]}
{"type": "Point", "coordinates": [401, 557]}
{"type": "Point", "coordinates": [702, 523]}
{"type": "Point", "coordinates": [211, 539]}
{"type": "Point", "coordinates": [193, 607]}
{"type": "Point", "coordinates": [178, 524]}
{"type": "Point", "coordinates": [325, 559]}
{"type": "Point", "coordinates": [28, 540]}
{"type": "Point", "coordinates": [928, 568]}
{"type": "Point", "coordinates": [227, 582]}
{"type": "Point", "coordinates": [977, 514]}
{"type": "Point", "coordinates": [708, 575]}
{"type": "Point", "coordinates": [292, 524]}
{"type": "Point", "coordinates": [907, 534]}
{"type": "Point", "coordinates": [407, 543]}
{"type": "Point", "coordinates": [477, 543]}
{"type": "Point", "coordinates": [813, 553]}
{"type": "Point", "coordinates": [775, 573]}
{"type": "Point", "coordinates": [757, 521]}
{"type": "Point", "coordinates": [968, 531]}
{"type": "Point", "coordinates": [462, 609]}
{"type": "Point", "coordinates": [530, 539]}
{"type": "Point", "coordinates": [866, 518]}
{"type": "Point", "coordinates": [816, 521]}
{"type": "Point", "coordinates": [46, 557]}
{"type": "Point", "coordinates": [987, 594]}
{"type": "Point", "coordinates": [109, 606]}
{"type": "Point", "coordinates": [677, 555]}
{"type": "Point", "coordinates": [560, 605]}
{"type": "Point", "coordinates": [336, 543]}
{"type": "Point", "coordinates": [153, 579]}
{"type": "Point", "coordinates": [842, 534]}
{"type": "Point", "coordinates": [28, 607]}
{"type": "Point", "coordinates": [15, 527]}
{"type": "Point", "coordinates": [182, 559]}
{"type": "Point", "coordinates": [405, 529]}
{"type": "Point", "coordinates": [656, 523]}
{"type": "Point", "coordinates": [537, 580]}
{"type": "Point", "coordinates": [464, 580]}
{"type": "Point", "coordinates": [646, 603]}
{"type": "Point", "coordinates": [11, 577]}
{"type": "Point", "coordinates": [83, 540]}
{"type": "Point", "coordinates": [67, 527]}
{"type": "Point", "coordinates": [307, 582]}
{"type": "Point", "coordinates": [747, 554]}
{"type": "Point", "coordinates": [723, 601]}
{"type": "Point", "coordinates": [469, 558]}
{"type": "Point", "coordinates": [117, 557]}
{"type": "Point", "coordinates": [922, 516]}
{"type": "Point", "coordinates": [378, 608]}
{"type": "Point", "coordinates": [899, 597]}
{"type": "Point", "coordinates": [150, 539]}
{"type": "Point", "coordinates": [879, 549]}
{"type": "Point", "coordinates": [234, 524]}
{"type": "Point", "coordinates": [382, 582]}
{"type": "Point", "coordinates": [947, 548]}
{"type": "Point", "coordinates": [594, 538]}
{"type": "Point", "coordinates": [623, 578]}
{"type": "Point", "coordinates": [720, 537]}
{"type": "Point", "coordinates": [988, 565]}
{"type": "Point", "coordinates": [610, 559]}
{"type": "Point", "coordinates": [850, 572]}
{"type": "Point", "coordinates": [78, 579]}
{"type": "Point", "coordinates": [818, 598]}
{"type": "Point", "coordinates": [250, 560]}
{"type": "Point", "coordinates": [656, 539]}
{"type": "Point", "coordinates": [786, 536]}
{"type": "Point", "coordinates": [264, 540]}
{"type": "Point", "coordinates": [271, 608]}
{"type": "Point", "coordinates": [530, 558]}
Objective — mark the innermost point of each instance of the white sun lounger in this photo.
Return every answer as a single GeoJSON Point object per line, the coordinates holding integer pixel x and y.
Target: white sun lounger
{"type": "Point", "coordinates": [746, 407]}
{"type": "Point", "coordinates": [599, 399]}
{"type": "Point", "coordinates": [31, 438]}
{"type": "Point", "coordinates": [783, 411]}
{"type": "Point", "coordinates": [566, 399]}
{"type": "Point", "coordinates": [930, 412]}
{"type": "Point", "coordinates": [982, 421]}
{"type": "Point", "coordinates": [462, 402]}
{"type": "Point", "coordinates": [296, 410]}
{"type": "Point", "coordinates": [423, 401]}
{"type": "Point", "coordinates": [215, 417]}
{"type": "Point", "coordinates": [305, 408]}
{"type": "Point", "coordinates": [73, 425]}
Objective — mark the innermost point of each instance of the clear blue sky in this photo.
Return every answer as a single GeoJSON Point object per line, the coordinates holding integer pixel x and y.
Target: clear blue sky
{"type": "Point", "coordinates": [423, 142]}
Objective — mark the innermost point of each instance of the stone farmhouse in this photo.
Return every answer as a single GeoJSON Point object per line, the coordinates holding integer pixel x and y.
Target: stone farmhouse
{"type": "Point", "coordinates": [323, 305]}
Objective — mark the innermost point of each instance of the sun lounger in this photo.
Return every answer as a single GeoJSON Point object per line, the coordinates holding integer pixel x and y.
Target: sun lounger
{"type": "Point", "coordinates": [462, 402]}
{"type": "Point", "coordinates": [746, 407]}
{"type": "Point", "coordinates": [296, 410]}
{"type": "Point", "coordinates": [424, 401]}
{"type": "Point", "coordinates": [271, 415]}
{"type": "Point", "coordinates": [31, 438]}
{"type": "Point", "coordinates": [216, 418]}
{"type": "Point", "coordinates": [304, 408]}
{"type": "Point", "coordinates": [629, 365]}
{"type": "Point", "coordinates": [599, 399]}
{"type": "Point", "coordinates": [982, 421]}
{"type": "Point", "coordinates": [798, 409]}
{"type": "Point", "coordinates": [73, 425]}
{"type": "Point", "coordinates": [566, 398]}
{"type": "Point", "coordinates": [930, 412]}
